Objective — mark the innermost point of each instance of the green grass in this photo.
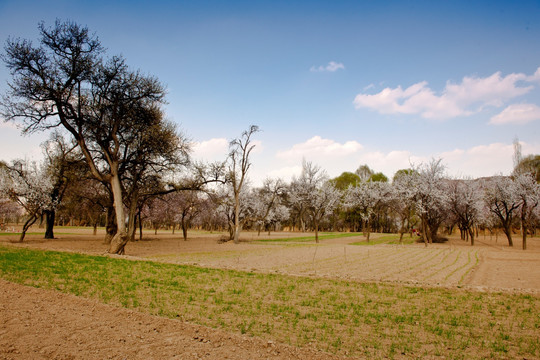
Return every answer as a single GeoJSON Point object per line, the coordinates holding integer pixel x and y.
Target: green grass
{"type": "Point", "coordinates": [36, 233]}
{"type": "Point", "coordinates": [322, 236]}
{"type": "Point", "coordinates": [360, 319]}
{"type": "Point", "coordinates": [375, 239]}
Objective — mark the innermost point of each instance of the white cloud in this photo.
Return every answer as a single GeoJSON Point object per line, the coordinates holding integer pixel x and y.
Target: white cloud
{"type": "Point", "coordinates": [370, 86]}
{"type": "Point", "coordinates": [535, 77]}
{"type": "Point", "coordinates": [211, 150]}
{"type": "Point", "coordinates": [217, 149]}
{"type": "Point", "coordinates": [258, 146]}
{"type": "Point", "coordinates": [387, 162]}
{"type": "Point", "coordinates": [481, 160]}
{"type": "Point", "coordinates": [517, 114]}
{"type": "Point", "coordinates": [317, 147]}
{"type": "Point", "coordinates": [335, 158]}
{"type": "Point", "coordinates": [469, 97]}
{"type": "Point", "coordinates": [331, 67]}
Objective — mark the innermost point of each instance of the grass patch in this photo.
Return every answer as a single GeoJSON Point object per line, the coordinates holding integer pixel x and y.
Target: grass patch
{"type": "Point", "coordinates": [360, 319]}
{"type": "Point", "coordinates": [322, 236]}
{"type": "Point", "coordinates": [34, 233]}
{"type": "Point", "coordinates": [375, 239]}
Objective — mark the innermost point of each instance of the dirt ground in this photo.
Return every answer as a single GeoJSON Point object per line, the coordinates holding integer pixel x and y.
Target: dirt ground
{"type": "Point", "coordinates": [42, 324]}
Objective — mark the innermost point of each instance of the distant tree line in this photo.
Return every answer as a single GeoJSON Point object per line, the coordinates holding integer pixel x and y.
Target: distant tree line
{"type": "Point", "coordinates": [420, 200]}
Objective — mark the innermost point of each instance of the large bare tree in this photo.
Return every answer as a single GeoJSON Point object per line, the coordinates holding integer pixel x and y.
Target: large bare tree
{"type": "Point", "coordinates": [238, 167]}
{"type": "Point", "coordinates": [66, 82]}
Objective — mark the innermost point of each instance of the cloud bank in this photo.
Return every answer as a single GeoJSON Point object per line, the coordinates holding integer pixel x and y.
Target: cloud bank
{"type": "Point", "coordinates": [517, 114]}
{"type": "Point", "coordinates": [470, 96]}
{"type": "Point", "coordinates": [335, 158]}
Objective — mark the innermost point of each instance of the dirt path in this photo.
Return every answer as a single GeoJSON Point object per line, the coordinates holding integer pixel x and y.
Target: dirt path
{"type": "Point", "coordinates": [43, 324]}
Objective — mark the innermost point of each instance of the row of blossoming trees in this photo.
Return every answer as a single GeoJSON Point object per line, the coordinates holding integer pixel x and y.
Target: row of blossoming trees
{"type": "Point", "coordinates": [115, 160]}
{"type": "Point", "coordinates": [420, 198]}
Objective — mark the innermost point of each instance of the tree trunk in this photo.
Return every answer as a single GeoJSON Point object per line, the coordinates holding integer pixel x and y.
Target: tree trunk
{"type": "Point", "coordinates": [366, 229]}
{"type": "Point", "coordinates": [31, 220]}
{"type": "Point", "coordinates": [508, 232]}
{"type": "Point", "coordinates": [118, 243]}
{"type": "Point", "coordinates": [402, 231]}
{"type": "Point", "coordinates": [524, 223]}
{"type": "Point", "coordinates": [140, 225]}
{"type": "Point", "coordinates": [110, 226]}
{"type": "Point", "coordinates": [132, 216]}
{"type": "Point", "coordinates": [184, 229]}
{"type": "Point", "coordinates": [236, 218]}
{"type": "Point", "coordinates": [524, 234]}
{"type": "Point", "coordinates": [471, 234]}
{"type": "Point", "coordinates": [424, 231]}
{"type": "Point", "coordinates": [49, 223]}
{"type": "Point", "coordinates": [121, 238]}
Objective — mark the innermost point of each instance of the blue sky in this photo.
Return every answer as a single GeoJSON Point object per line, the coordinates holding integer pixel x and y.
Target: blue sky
{"type": "Point", "coordinates": [339, 83]}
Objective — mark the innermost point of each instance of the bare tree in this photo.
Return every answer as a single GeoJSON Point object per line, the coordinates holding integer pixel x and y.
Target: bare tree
{"type": "Point", "coordinates": [238, 167]}
{"type": "Point", "coordinates": [87, 200]}
{"type": "Point", "coordinates": [185, 206]}
{"type": "Point", "coordinates": [66, 83]}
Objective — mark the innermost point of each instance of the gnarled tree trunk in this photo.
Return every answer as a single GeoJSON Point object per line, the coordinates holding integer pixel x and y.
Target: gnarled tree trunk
{"type": "Point", "coordinates": [119, 241]}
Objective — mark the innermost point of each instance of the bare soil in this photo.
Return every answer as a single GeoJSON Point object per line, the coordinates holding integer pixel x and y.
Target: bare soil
{"type": "Point", "coordinates": [42, 324]}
